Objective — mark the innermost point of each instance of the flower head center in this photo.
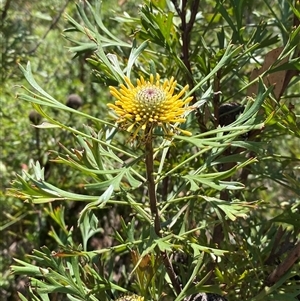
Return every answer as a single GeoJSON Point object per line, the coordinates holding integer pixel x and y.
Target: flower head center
{"type": "Point", "coordinates": [150, 96]}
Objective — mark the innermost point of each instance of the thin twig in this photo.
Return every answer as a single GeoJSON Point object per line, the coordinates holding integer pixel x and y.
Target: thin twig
{"type": "Point", "coordinates": [186, 40]}
{"type": "Point", "coordinates": [283, 267]}
{"type": "Point", "coordinates": [52, 25]}
{"type": "Point", "coordinates": [272, 256]}
{"type": "Point", "coordinates": [170, 271]}
{"type": "Point", "coordinates": [176, 7]}
{"type": "Point", "coordinates": [5, 10]}
{"type": "Point", "coordinates": [186, 28]}
{"type": "Point", "coordinates": [291, 73]}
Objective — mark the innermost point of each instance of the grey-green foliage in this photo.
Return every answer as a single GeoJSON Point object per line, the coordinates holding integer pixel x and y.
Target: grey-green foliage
{"type": "Point", "coordinates": [228, 197]}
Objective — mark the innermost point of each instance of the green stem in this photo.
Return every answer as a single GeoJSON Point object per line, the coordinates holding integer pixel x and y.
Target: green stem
{"type": "Point", "coordinates": [151, 182]}
{"type": "Point", "coordinates": [154, 209]}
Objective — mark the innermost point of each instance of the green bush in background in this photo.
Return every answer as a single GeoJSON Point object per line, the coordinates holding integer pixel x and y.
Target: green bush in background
{"type": "Point", "coordinates": [136, 187]}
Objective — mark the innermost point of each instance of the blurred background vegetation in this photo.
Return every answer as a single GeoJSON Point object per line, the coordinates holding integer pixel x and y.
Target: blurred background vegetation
{"type": "Point", "coordinates": [264, 237]}
{"type": "Point", "coordinates": [32, 30]}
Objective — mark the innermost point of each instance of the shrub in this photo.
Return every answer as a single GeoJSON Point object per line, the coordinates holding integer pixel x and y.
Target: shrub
{"type": "Point", "coordinates": [186, 182]}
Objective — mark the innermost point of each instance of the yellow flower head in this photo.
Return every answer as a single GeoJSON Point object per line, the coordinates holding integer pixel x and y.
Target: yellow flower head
{"type": "Point", "coordinates": [131, 298]}
{"type": "Point", "coordinates": [150, 104]}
